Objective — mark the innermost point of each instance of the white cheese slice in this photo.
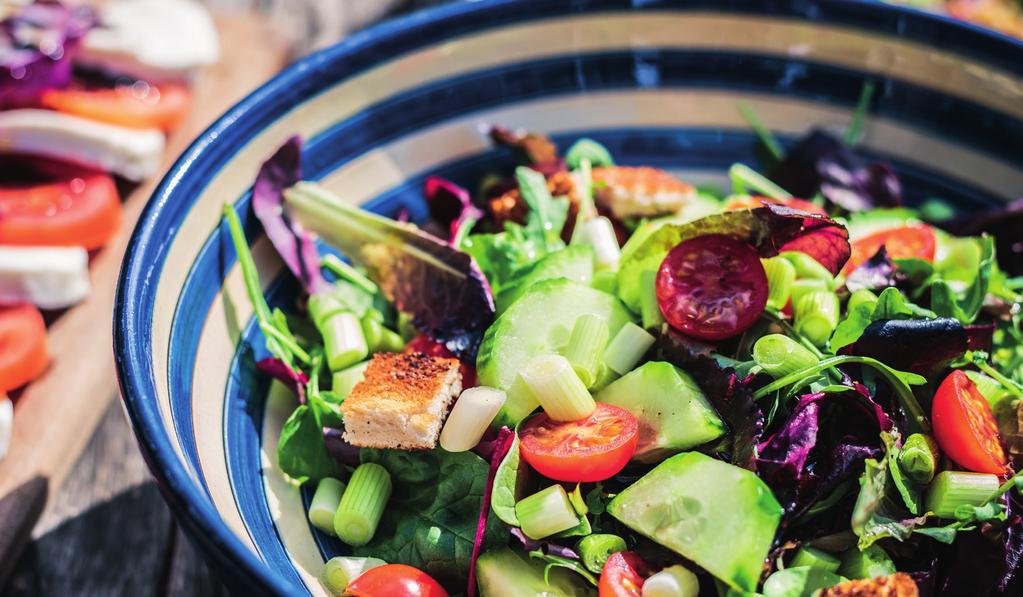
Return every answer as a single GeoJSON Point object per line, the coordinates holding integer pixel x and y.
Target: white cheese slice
{"type": "Point", "coordinates": [6, 424]}
{"type": "Point", "coordinates": [155, 40]}
{"type": "Point", "coordinates": [132, 153]}
{"type": "Point", "coordinates": [49, 277]}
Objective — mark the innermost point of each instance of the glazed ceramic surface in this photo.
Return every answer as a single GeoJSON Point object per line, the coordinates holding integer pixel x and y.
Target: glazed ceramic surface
{"type": "Point", "coordinates": [658, 82]}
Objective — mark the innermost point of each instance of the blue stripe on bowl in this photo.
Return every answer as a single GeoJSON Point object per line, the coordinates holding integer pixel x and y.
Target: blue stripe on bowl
{"type": "Point", "coordinates": [174, 197]}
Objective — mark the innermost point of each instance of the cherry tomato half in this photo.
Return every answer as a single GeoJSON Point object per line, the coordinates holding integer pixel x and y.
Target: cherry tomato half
{"type": "Point", "coordinates": [712, 286]}
{"type": "Point", "coordinates": [914, 240]}
{"type": "Point", "coordinates": [588, 450]}
{"type": "Point", "coordinates": [427, 345]}
{"type": "Point", "coordinates": [60, 205]}
{"type": "Point", "coordinates": [141, 105]}
{"type": "Point", "coordinates": [23, 353]}
{"type": "Point", "coordinates": [623, 575]}
{"type": "Point", "coordinates": [965, 428]}
{"type": "Point", "coordinates": [752, 201]}
{"type": "Point", "coordinates": [395, 580]}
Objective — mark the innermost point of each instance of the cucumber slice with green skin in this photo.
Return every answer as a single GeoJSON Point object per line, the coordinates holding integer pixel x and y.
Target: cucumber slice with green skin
{"type": "Point", "coordinates": [504, 573]}
{"type": "Point", "coordinates": [720, 516]}
{"type": "Point", "coordinates": [538, 323]}
{"type": "Point", "coordinates": [673, 413]}
{"type": "Point", "coordinates": [574, 263]}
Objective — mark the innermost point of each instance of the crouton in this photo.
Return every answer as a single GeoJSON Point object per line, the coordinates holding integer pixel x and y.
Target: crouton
{"type": "Point", "coordinates": [899, 584]}
{"type": "Point", "coordinates": [402, 401]}
{"type": "Point", "coordinates": [629, 192]}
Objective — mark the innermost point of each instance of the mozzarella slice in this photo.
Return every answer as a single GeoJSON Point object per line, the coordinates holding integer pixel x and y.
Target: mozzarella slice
{"type": "Point", "coordinates": [49, 277]}
{"type": "Point", "coordinates": [132, 153]}
{"type": "Point", "coordinates": [156, 40]}
{"type": "Point", "coordinates": [6, 424]}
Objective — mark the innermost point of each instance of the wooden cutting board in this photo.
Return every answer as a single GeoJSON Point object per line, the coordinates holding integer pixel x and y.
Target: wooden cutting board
{"type": "Point", "coordinates": [57, 414]}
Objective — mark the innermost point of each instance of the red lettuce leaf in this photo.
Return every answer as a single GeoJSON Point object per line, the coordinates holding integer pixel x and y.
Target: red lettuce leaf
{"type": "Point", "coordinates": [442, 287]}
{"type": "Point", "coordinates": [36, 45]}
{"type": "Point", "coordinates": [279, 370]}
{"type": "Point", "coordinates": [505, 439]}
{"type": "Point", "coordinates": [824, 441]}
{"type": "Point", "coordinates": [450, 206]}
{"type": "Point", "coordinates": [295, 246]}
{"type": "Point", "coordinates": [878, 272]}
{"type": "Point", "coordinates": [822, 163]}
{"type": "Point", "coordinates": [545, 546]}
{"type": "Point", "coordinates": [339, 448]}
{"type": "Point", "coordinates": [922, 346]}
{"type": "Point", "coordinates": [980, 336]}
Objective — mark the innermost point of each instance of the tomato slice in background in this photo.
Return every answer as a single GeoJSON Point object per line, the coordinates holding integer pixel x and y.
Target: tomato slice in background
{"type": "Point", "coordinates": [60, 205]}
{"type": "Point", "coordinates": [140, 105]}
{"type": "Point", "coordinates": [712, 286]}
{"type": "Point", "coordinates": [427, 345]}
{"type": "Point", "coordinates": [395, 580]}
{"type": "Point", "coordinates": [588, 450]}
{"type": "Point", "coordinates": [913, 240]}
{"type": "Point", "coordinates": [965, 428]}
{"type": "Point", "coordinates": [753, 201]}
{"type": "Point", "coordinates": [623, 575]}
{"type": "Point", "coordinates": [23, 352]}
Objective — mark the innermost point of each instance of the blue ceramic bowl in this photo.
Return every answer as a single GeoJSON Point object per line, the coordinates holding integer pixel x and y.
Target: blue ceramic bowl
{"type": "Point", "coordinates": [657, 81]}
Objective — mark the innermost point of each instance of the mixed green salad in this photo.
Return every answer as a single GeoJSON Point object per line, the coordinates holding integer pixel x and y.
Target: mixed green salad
{"type": "Point", "coordinates": [662, 390]}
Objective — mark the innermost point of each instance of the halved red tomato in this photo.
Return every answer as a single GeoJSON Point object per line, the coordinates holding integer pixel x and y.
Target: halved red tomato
{"type": "Point", "coordinates": [60, 205]}
{"type": "Point", "coordinates": [965, 428]}
{"type": "Point", "coordinates": [913, 240]}
{"type": "Point", "coordinates": [623, 575]}
{"type": "Point", "coordinates": [395, 580]}
{"type": "Point", "coordinates": [427, 345]}
{"type": "Point", "coordinates": [588, 450]}
{"type": "Point", "coordinates": [23, 353]}
{"type": "Point", "coordinates": [712, 286]}
{"type": "Point", "coordinates": [752, 201]}
{"type": "Point", "coordinates": [140, 105]}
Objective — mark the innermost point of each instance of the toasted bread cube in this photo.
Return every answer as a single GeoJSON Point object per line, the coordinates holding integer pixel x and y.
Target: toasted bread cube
{"type": "Point", "coordinates": [402, 401]}
{"type": "Point", "coordinates": [899, 584]}
{"type": "Point", "coordinates": [629, 192]}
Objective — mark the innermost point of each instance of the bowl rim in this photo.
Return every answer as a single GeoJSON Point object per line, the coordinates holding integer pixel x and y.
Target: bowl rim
{"type": "Point", "coordinates": [134, 365]}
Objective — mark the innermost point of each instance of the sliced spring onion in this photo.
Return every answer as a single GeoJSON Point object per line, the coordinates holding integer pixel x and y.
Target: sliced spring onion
{"type": "Point", "coordinates": [817, 316]}
{"type": "Point", "coordinates": [586, 345]}
{"type": "Point", "coordinates": [673, 581]}
{"type": "Point", "coordinates": [594, 550]}
{"type": "Point", "coordinates": [339, 572]}
{"type": "Point", "coordinates": [919, 457]}
{"type": "Point", "coordinates": [372, 331]}
{"type": "Point", "coordinates": [807, 268]}
{"type": "Point", "coordinates": [649, 308]}
{"type": "Point", "coordinates": [951, 489]}
{"type": "Point", "coordinates": [600, 234]}
{"type": "Point", "coordinates": [815, 558]}
{"type": "Point", "coordinates": [745, 179]}
{"type": "Point", "coordinates": [800, 288]}
{"type": "Point", "coordinates": [557, 387]}
{"type": "Point", "coordinates": [362, 504]}
{"type": "Point", "coordinates": [780, 276]}
{"type": "Point", "coordinates": [546, 512]}
{"type": "Point", "coordinates": [627, 348]}
{"type": "Point", "coordinates": [347, 378]}
{"type": "Point", "coordinates": [780, 355]}
{"type": "Point", "coordinates": [348, 273]}
{"type": "Point", "coordinates": [343, 341]}
{"type": "Point", "coordinates": [324, 505]}
{"type": "Point", "coordinates": [470, 417]}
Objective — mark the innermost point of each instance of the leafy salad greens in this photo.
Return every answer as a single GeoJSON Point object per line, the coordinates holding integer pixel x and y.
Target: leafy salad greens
{"type": "Point", "coordinates": [590, 378]}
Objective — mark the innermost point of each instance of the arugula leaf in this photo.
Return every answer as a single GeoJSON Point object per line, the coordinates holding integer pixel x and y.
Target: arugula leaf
{"type": "Point", "coordinates": [879, 511]}
{"type": "Point", "coordinates": [509, 485]}
{"type": "Point", "coordinates": [503, 255]}
{"type": "Point", "coordinates": [301, 452]}
{"type": "Point", "coordinates": [546, 215]}
{"type": "Point", "coordinates": [947, 303]}
{"type": "Point", "coordinates": [431, 521]}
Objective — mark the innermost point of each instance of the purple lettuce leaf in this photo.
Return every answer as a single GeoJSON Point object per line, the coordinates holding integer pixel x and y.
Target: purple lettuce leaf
{"type": "Point", "coordinates": [823, 442]}
{"type": "Point", "coordinates": [820, 162]}
{"type": "Point", "coordinates": [987, 560]}
{"type": "Point", "coordinates": [730, 396]}
{"type": "Point", "coordinates": [876, 273]}
{"type": "Point", "coordinates": [980, 336]}
{"type": "Point", "coordinates": [922, 346]}
{"type": "Point", "coordinates": [544, 545]}
{"type": "Point", "coordinates": [505, 439]}
{"type": "Point", "coordinates": [279, 370]}
{"type": "Point", "coordinates": [37, 43]}
{"type": "Point", "coordinates": [442, 287]}
{"type": "Point", "coordinates": [450, 206]}
{"type": "Point", "coordinates": [295, 246]}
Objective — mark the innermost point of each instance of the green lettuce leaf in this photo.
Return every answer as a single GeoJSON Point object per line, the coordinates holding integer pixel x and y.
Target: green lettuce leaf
{"type": "Point", "coordinates": [965, 307]}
